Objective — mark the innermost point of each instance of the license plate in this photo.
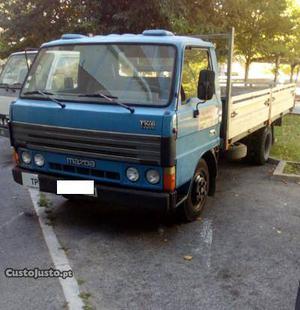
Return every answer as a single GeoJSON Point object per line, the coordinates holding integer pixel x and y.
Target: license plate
{"type": "Point", "coordinates": [95, 194]}
{"type": "Point", "coordinates": [75, 187]}
{"type": "Point", "coordinates": [30, 180]}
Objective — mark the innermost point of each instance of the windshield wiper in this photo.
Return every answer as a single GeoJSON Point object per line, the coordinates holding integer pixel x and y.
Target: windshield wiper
{"type": "Point", "coordinates": [109, 98]}
{"type": "Point", "coordinates": [15, 85]}
{"type": "Point", "coordinates": [12, 87]}
{"type": "Point", "coordinates": [4, 85]}
{"type": "Point", "coordinates": [47, 95]}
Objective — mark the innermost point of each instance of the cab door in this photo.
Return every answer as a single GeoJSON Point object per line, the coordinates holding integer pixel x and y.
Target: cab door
{"type": "Point", "coordinates": [196, 135]}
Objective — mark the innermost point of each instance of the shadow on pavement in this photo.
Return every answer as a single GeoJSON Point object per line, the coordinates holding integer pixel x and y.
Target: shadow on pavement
{"type": "Point", "coordinates": [98, 216]}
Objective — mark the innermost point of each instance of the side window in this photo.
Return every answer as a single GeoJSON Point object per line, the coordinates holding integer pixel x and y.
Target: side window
{"type": "Point", "coordinates": [195, 60]}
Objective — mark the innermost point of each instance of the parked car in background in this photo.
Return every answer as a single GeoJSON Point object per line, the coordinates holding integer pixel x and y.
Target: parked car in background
{"type": "Point", "coordinates": [11, 81]}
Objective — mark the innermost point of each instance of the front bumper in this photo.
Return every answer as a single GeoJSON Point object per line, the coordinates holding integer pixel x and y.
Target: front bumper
{"type": "Point", "coordinates": [118, 195]}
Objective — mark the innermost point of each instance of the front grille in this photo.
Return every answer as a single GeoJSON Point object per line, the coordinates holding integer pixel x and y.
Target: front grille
{"type": "Point", "coordinates": [144, 149]}
{"type": "Point", "coordinates": [85, 171]}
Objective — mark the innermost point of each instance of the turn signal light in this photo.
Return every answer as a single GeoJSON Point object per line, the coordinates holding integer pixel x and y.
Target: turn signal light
{"type": "Point", "coordinates": [16, 157]}
{"type": "Point", "coordinates": [169, 179]}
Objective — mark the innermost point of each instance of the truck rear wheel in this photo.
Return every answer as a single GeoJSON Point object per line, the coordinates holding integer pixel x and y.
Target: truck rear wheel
{"type": "Point", "coordinates": [263, 145]}
{"type": "Point", "coordinates": [198, 193]}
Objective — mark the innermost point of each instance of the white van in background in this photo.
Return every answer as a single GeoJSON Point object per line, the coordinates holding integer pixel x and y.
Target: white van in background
{"type": "Point", "coordinates": [11, 80]}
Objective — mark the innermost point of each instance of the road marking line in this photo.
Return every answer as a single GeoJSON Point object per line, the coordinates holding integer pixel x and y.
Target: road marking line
{"type": "Point", "coordinates": [69, 285]}
{"type": "Point", "coordinates": [11, 220]}
{"type": "Point", "coordinates": [207, 236]}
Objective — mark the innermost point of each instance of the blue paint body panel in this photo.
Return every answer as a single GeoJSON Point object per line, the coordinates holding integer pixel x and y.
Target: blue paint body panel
{"type": "Point", "coordinates": [178, 41]}
{"type": "Point", "coordinates": [193, 142]}
{"type": "Point", "coordinates": [94, 116]}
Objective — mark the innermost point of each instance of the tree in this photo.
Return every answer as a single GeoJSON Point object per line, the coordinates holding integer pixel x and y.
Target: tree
{"type": "Point", "coordinates": [292, 56]}
{"type": "Point", "coordinates": [255, 21]}
{"type": "Point", "coordinates": [193, 17]}
{"type": "Point", "coordinates": [282, 46]}
{"type": "Point", "coordinates": [29, 23]}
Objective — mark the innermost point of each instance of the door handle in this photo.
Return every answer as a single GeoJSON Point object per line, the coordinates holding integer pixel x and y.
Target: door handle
{"type": "Point", "coordinates": [234, 114]}
{"type": "Point", "coordinates": [212, 132]}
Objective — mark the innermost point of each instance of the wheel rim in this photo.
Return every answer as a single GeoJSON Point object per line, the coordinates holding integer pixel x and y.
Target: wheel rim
{"type": "Point", "coordinates": [268, 144]}
{"type": "Point", "coordinates": [199, 191]}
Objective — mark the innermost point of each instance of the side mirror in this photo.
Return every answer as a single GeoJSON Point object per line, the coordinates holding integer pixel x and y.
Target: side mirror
{"type": "Point", "coordinates": [206, 84]}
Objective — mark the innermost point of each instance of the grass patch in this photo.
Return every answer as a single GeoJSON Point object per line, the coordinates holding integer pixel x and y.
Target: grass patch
{"type": "Point", "coordinates": [80, 281]}
{"type": "Point", "coordinates": [292, 168]}
{"type": "Point", "coordinates": [287, 145]}
{"type": "Point", "coordinates": [44, 202]}
{"type": "Point", "coordinates": [85, 296]}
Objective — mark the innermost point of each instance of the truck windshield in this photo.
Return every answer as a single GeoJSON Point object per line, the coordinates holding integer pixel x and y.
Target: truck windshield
{"type": "Point", "coordinates": [132, 73]}
{"type": "Point", "coordinates": [15, 70]}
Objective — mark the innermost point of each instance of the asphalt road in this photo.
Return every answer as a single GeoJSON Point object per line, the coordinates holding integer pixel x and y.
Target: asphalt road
{"type": "Point", "coordinates": [22, 246]}
{"type": "Point", "coordinates": [244, 250]}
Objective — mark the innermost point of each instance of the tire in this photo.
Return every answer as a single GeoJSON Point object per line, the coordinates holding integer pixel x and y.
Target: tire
{"type": "Point", "coordinates": [236, 151]}
{"type": "Point", "coordinates": [262, 146]}
{"type": "Point", "coordinates": [191, 209]}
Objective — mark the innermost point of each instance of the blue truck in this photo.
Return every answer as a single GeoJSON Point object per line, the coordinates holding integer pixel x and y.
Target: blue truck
{"type": "Point", "coordinates": [142, 116]}
{"type": "Point", "coordinates": [11, 79]}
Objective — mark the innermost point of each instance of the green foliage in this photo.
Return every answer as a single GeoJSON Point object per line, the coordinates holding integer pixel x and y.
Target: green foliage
{"type": "Point", "coordinates": [287, 146]}
{"type": "Point", "coordinates": [265, 30]}
{"type": "Point", "coordinates": [261, 27]}
{"type": "Point", "coordinates": [85, 296]}
{"type": "Point", "coordinates": [30, 23]}
{"type": "Point", "coordinates": [292, 168]}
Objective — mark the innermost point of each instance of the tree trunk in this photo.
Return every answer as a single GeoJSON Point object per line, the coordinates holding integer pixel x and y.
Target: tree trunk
{"type": "Point", "coordinates": [297, 74]}
{"type": "Point", "coordinates": [247, 69]}
{"type": "Point", "coordinates": [276, 73]}
{"type": "Point", "coordinates": [293, 66]}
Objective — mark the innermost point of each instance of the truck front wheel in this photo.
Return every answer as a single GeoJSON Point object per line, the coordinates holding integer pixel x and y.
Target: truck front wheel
{"type": "Point", "coordinates": [198, 193]}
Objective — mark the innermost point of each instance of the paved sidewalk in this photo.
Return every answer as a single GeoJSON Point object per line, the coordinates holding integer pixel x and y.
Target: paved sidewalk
{"type": "Point", "coordinates": [297, 108]}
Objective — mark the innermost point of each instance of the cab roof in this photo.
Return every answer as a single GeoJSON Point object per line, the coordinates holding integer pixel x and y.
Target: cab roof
{"type": "Point", "coordinates": [156, 36]}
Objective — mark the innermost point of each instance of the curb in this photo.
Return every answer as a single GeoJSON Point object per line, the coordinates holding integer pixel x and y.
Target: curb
{"type": "Point", "coordinates": [279, 174]}
{"type": "Point", "coordinates": [273, 161]}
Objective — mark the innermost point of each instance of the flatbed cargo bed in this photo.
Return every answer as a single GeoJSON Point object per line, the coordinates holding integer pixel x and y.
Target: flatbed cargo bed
{"type": "Point", "coordinates": [250, 109]}
{"type": "Point", "coordinates": [247, 109]}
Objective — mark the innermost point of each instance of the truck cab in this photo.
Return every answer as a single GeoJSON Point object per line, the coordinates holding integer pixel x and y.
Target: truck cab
{"type": "Point", "coordinates": [11, 79]}
{"type": "Point", "coordinates": [139, 115]}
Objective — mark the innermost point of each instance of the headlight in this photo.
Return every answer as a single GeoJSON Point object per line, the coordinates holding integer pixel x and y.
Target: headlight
{"type": "Point", "coordinates": [39, 160]}
{"type": "Point", "coordinates": [1, 122]}
{"type": "Point", "coordinates": [152, 176]}
{"type": "Point", "coordinates": [26, 157]}
{"type": "Point", "coordinates": [132, 174]}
